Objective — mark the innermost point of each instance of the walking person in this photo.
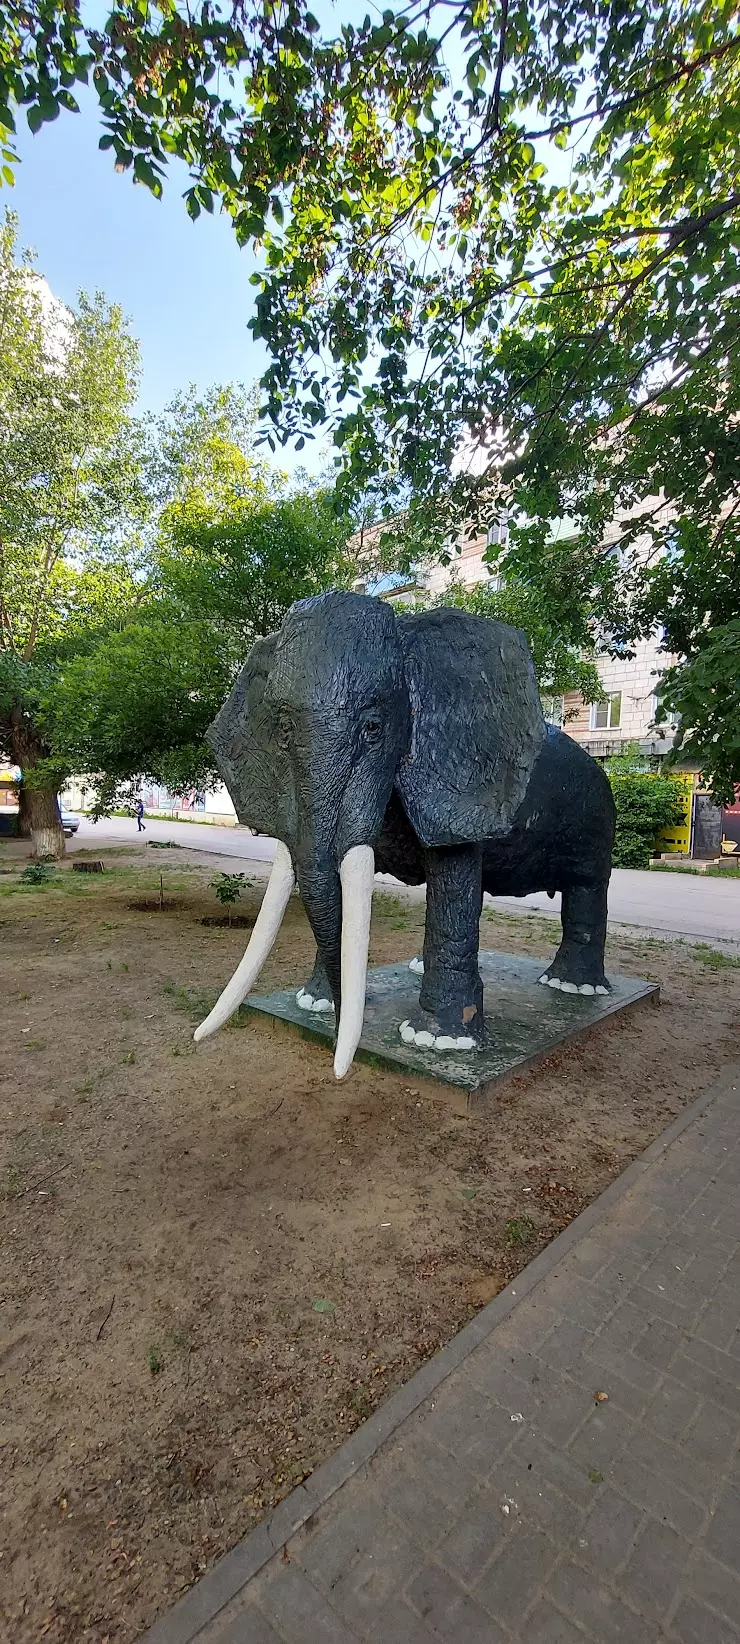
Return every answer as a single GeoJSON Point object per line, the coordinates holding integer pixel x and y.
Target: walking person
{"type": "Point", "coordinates": [140, 816]}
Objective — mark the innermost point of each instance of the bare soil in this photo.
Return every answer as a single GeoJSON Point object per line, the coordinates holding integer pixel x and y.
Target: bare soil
{"type": "Point", "coordinates": [171, 1217]}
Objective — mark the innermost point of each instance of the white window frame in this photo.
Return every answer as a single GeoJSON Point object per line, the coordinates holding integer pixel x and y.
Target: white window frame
{"type": "Point", "coordinates": [497, 534]}
{"type": "Point", "coordinates": [607, 701]}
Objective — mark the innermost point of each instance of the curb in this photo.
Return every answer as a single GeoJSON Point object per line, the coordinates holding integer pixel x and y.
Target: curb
{"type": "Point", "coordinates": [220, 1585]}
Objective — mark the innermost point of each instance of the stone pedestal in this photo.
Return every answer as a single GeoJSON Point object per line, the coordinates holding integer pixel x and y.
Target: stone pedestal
{"type": "Point", "coordinates": [525, 1022]}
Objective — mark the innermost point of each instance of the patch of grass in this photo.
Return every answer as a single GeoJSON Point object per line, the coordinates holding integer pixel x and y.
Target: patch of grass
{"type": "Point", "coordinates": [360, 1401]}
{"type": "Point", "coordinates": [195, 1002]}
{"type": "Point", "coordinates": [155, 1360]}
{"type": "Point", "coordinates": [104, 850]}
{"type": "Point", "coordinates": [14, 1177]}
{"type": "Point", "coordinates": [537, 927]}
{"type": "Point", "coordinates": [164, 845]}
{"type": "Point", "coordinates": [676, 867]}
{"type": "Point", "coordinates": [385, 904]}
{"type": "Point", "coordinates": [713, 871]}
{"type": "Point", "coordinates": [519, 1231]}
{"type": "Point", "coordinates": [713, 958]}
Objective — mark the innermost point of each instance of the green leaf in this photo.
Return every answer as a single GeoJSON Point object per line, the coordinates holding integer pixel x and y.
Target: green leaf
{"type": "Point", "coordinates": [323, 1305]}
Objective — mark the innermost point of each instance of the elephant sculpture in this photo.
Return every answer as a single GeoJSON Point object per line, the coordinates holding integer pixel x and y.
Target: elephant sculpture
{"type": "Point", "coordinates": [413, 744]}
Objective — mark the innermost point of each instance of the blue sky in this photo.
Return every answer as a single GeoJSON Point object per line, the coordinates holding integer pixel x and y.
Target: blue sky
{"type": "Point", "coordinates": [183, 285]}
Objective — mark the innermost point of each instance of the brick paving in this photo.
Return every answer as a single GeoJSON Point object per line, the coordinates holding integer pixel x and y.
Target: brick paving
{"type": "Point", "coordinates": [495, 1499]}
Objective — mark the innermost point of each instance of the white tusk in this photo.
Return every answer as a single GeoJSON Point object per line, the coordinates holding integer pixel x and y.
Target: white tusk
{"type": "Point", "coordinates": [262, 939]}
{"type": "Point", "coordinates": [356, 873]}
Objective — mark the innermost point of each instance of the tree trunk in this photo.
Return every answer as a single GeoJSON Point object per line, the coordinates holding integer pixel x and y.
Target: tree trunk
{"type": "Point", "coordinates": [47, 834]}
{"type": "Point", "coordinates": [38, 806]}
{"type": "Point", "coordinates": [24, 820]}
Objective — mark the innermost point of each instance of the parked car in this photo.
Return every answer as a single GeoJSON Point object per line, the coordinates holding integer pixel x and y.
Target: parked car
{"type": "Point", "coordinates": [70, 822]}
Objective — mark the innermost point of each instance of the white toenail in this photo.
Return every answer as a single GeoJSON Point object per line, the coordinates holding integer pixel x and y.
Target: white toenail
{"type": "Point", "coordinates": [568, 987]}
{"type": "Point", "coordinates": [544, 979]}
{"type": "Point", "coordinates": [407, 1033]}
{"type": "Point", "coordinates": [424, 1038]}
{"type": "Point", "coordinates": [553, 981]}
{"type": "Point", "coordinates": [601, 990]}
{"type": "Point", "coordinates": [586, 988]}
{"type": "Point", "coordinates": [445, 1042]}
{"type": "Point", "coordinates": [417, 965]}
{"type": "Point", "coordinates": [321, 1004]}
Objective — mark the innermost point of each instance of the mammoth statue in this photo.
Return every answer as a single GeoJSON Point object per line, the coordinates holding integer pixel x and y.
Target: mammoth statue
{"type": "Point", "coordinates": [366, 740]}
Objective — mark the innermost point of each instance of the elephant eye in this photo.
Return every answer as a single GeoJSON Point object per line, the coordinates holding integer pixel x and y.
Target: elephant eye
{"type": "Point", "coordinates": [372, 729]}
{"type": "Point", "coordinates": [283, 731]}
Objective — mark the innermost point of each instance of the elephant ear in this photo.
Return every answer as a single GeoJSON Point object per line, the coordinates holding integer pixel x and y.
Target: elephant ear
{"type": "Point", "coordinates": [244, 744]}
{"type": "Point", "coordinates": [476, 725]}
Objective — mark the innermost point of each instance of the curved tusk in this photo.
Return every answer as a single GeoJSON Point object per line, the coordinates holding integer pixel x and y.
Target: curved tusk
{"type": "Point", "coordinates": [356, 873]}
{"type": "Point", "coordinates": [262, 939]}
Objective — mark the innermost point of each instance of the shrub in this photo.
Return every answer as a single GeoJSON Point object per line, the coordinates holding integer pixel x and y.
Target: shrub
{"type": "Point", "coordinates": [37, 873]}
{"type": "Point", "coordinates": [645, 804]}
{"type": "Point", "coordinates": [228, 887]}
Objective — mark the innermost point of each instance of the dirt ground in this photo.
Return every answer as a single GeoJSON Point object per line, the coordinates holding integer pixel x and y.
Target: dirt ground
{"type": "Point", "coordinates": [171, 1218]}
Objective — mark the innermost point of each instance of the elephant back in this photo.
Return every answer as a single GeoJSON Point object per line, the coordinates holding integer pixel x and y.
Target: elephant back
{"type": "Point", "coordinates": [476, 725]}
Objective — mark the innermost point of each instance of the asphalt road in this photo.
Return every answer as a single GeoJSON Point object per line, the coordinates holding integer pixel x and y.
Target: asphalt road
{"type": "Point", "coordinates": [668, 904]}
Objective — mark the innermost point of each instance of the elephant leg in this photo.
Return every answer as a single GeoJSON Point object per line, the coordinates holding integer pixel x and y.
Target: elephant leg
{"type": "Point", "coordinates": [450, 1014]}
{"type": "Point", "coordinates": [578, 966]}
{"type": "Point", "coordinates": [316, 993]}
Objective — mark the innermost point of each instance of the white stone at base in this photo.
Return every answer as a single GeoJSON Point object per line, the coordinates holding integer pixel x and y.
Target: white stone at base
{"type": "Point", "coordinates": [307, 1001]}
{"type": "Point", "coordinates": [569, 987]}
{"type": "Point", "coordinates": [427, 1041]}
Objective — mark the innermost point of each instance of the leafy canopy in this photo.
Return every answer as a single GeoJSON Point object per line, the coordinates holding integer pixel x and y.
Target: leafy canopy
{"type": "Point", "coordinates": [70, 486]}
{"type": "Point", "coordinates": [479, 222]}
{"type": "Point", "coordinates": [139, 703]}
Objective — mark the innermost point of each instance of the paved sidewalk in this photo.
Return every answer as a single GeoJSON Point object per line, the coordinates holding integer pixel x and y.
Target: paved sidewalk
{"type": "Point", "coordinates": [496, 1498]}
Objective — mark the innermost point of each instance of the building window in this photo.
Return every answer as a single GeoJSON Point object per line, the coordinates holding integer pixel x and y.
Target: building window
{"type": "Point", "coordinates": [497, 534]}
{"type": "Point", "coordinates": [606, 715]}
